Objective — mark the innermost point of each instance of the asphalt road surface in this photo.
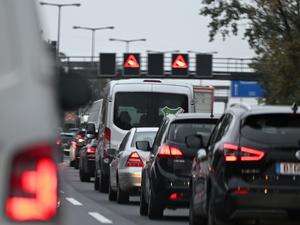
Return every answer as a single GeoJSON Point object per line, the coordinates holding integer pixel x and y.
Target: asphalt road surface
{"type": "Point", "coordinates": [81, 205]}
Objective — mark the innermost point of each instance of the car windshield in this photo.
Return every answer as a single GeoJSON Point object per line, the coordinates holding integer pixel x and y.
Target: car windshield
{"type": "Point", "coordinates": [143, 136]}
{"type": "Point", "coordinates": [179, 130]}
{"type": "Point", "coordinates": [275, 129]}
{"type": "Point", "coordinates": [146, 109]}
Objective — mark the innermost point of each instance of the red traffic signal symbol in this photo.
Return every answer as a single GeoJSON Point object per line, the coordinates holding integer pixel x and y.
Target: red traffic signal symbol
{"type": "Point", "coordinates": [180, 63]}
{"type": "Point", "coordinates": [131, 62]}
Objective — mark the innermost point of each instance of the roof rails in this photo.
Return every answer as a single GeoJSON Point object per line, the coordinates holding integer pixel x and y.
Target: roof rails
{"type": "Point", "coordinates": [241, 105]}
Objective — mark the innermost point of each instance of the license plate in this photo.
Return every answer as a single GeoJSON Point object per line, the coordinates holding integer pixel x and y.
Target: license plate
{"type": "Point", "coordinates": [288, 168]}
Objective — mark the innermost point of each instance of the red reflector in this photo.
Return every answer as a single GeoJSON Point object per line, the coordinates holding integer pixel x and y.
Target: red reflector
{"type": "Point", "coordinates": [134, 160]}
{"type": "Point", "coordinates": [33, 186]}
{"type": "Point", "coordinates": [91, 150]}
{"type": "Point", "coordinates": [249, 154]}
{"type": "Point", "coordinates": [166, 151]}
{"type": "Point", "coordinates": [176, 196]}
{"type": "Point", "coordinates": [241, 191]}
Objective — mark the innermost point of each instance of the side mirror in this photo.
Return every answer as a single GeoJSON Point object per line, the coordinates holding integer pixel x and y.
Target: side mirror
{"type": "Point", "coordinates": [201, 155]}
{"type": "Point", "coordinates": [194, 141]}
{"type": "Point", "coordinates": [143, 145]}
{"type": "Point", "coordinates": [112, 152]}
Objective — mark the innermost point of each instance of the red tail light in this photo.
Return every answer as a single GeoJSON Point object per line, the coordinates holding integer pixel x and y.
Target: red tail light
{"type": "Point", "coordinates": [176, 196]}
{"type": "Point", "coordinates": [235, 153]}
{"type": "Point", "coordinates": [107, 135]}
{"type": "Point", "coordinates": [166, 151]}
{"type": "Point", "coordinates": [91, 150]}
{"type": "Point", "coordinates": [58, 142]}
{"type": "Point", "coordinates": [134, 160]}
{"type": "Point", "coordinates": [241, 191]}
{"type": "Point", "coordinates": [33, 192]}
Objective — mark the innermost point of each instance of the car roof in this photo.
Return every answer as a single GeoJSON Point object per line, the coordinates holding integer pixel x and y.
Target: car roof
{"type": "Point", "coordinates": [184, 116]}
{"type": "Point", "coordinates": [146, 129]}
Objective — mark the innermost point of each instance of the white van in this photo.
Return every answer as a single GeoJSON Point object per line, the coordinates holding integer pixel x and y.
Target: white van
{"type": "Point", "coordinates": [135, 103]}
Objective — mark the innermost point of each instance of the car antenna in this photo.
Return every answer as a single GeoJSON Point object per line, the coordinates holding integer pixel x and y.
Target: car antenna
{"type": "Point", "coordinates": [295, 108]}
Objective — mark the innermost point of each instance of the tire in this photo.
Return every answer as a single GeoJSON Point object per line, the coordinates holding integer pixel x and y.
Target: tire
{"type": "Point", "coordinates": [103, 184]}
{"type": "Point", "coordinates": [143, 203]}
{"type": "Point", "coordinates": [195, 219]}
{"type": "Point", "coordinates": [112, 195]}
{"type": "Point", "coordinates": [122, 196]}
{"type": "Point", "coordinates": [76, 165]}
{"type": "Point", "coordinates": [83, 176]}
{"type": "Point", "coordinates": [71, 163]}
{"type": "Point", "coordinates": [155, 209]}
{"type": "Point", "coordinates": [96, 181]}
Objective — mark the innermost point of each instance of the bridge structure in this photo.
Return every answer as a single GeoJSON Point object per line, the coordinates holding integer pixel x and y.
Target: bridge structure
{"type": "Point", "coordinates": [222, 68]}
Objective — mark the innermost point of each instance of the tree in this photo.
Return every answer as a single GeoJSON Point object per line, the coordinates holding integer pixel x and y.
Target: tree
{"type": "Point", "coordinates": [272, 29]}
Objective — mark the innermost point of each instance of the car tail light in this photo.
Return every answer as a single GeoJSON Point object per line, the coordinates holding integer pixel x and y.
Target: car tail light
{"type": "Point", "coordinates": [33, 191]}
{"type": "Point", "coordinates": [58, 142]}
{"type": "Point", "coordinates": [107, 135]}
{"type": "Point", "coordinates": [241, 191]}
{"type": "Point", "coordinates": [234, 153]}
{"type": "Point", "coordinates": [134, 160]}
{"type": "Point", "coordinates": [176, 196]}
{"type": "Point", "coordinates": [166, 151]}
{"type": "Point", "coordinates": [91, 150]}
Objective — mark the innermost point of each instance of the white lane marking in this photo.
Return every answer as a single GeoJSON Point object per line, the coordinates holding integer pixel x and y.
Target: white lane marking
{"type": "Point", "coordinates": [73, 201]}
{"type": "Point", "coordinates": [100, 218]}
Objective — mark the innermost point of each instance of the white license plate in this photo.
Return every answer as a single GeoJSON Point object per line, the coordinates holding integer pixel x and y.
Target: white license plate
{"type": "Point", "coordinates": [288, 168]}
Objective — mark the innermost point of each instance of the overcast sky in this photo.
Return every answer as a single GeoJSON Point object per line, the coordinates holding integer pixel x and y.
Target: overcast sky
{"type": "Point", "coordinates": [166, 24]}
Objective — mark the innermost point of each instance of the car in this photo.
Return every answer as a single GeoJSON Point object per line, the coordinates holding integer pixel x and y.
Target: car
{"type": "Point", "coordinates": [87, 161]}
{"type": "Point", "coordinates": [250, 168]}
{"type": "Point", "coordinates": [65, 141]}
{"type": "Point", "coordinates": [76, 144]}
{"type": "Point", "coordinates": [166, 175]}
{"type": "Point", "coordinates": [126, 167]}
{"type": "Point", "coordinates": [135, 103]}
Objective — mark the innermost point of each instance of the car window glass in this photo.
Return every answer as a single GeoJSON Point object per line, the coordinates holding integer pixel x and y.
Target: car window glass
{"type": "Point", "coordinates": [214, 134]}
{"type": "Point", "coordinates": [159, 135]}
{"type": "Point", "coordinates": [224, 127]}
{"type": "Point", "coordinates": [143, 136]}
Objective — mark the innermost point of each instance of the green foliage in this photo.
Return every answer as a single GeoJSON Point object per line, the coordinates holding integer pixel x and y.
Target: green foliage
{"type": "Point", "coordinates": [272, 29]}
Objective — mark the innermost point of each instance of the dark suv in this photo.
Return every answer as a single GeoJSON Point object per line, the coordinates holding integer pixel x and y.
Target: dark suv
{"type": "Point", "coordinates": [250, 169]}
{"type": "Point", "coordinates": [166, 176]}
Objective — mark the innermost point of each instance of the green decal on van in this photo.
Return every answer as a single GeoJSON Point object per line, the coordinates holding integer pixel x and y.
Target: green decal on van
{"type": "Point", "coordinates": [169, 111]}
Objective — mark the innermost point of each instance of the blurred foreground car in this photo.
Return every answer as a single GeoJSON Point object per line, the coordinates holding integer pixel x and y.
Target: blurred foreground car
{"type": "Point", "coordinates": [87, 161]}
{"type": "Point", "coordinates": [166, 176]}
{"type": "Point", "coordinates": [250, 169]}
{"type": "Point", "coordinates": [126, 167]}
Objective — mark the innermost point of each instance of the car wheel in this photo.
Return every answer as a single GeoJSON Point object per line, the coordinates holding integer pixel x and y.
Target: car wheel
{"type": "Point", "coordinates": [212, 219]}
{"type": "Point", "coordinates": [112, 195]}
{"type": "Point", "coordinates": [76, 165]}
{"type": "Point", "coordinates": [83, 176]}
{"type": "Point", "coordinates": [143, 203]}
{"type": "Point", "coordinates": [71, 163]}
{"type": "Point", "coordinates": [155, 209]}
{"type": "Point", "coordinates": [103, 183]}
{"type": "Point", "coordinates": [96, 181]}
{"type": "Point", "coordinates": [195, 219]}
{"type": "Point", "coordinates": [122, 196]}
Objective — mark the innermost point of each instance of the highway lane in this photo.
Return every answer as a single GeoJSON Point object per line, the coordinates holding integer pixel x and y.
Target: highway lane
{"type": "Point", "coordinates": [82, 205]}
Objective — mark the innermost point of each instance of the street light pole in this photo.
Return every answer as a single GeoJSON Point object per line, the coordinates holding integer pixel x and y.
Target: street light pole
{"type": "Point", "coordinates": [59, 6]}
{"type": "Point", "coordinates": [127, 42]}
{"type": "Point", "coordinates": [93, 30]}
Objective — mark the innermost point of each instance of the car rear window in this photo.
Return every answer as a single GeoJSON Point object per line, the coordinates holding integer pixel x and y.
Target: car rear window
{"type": "Point", "coordinates": [283, 129]}
{"type": "Point", "coordinates": [179, 130]}
{"type": "Point", "coordinates": [143, 136]}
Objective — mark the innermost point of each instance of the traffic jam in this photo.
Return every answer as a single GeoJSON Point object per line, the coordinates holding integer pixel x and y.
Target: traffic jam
{"type": "Point", "coordinates": [154, 137]}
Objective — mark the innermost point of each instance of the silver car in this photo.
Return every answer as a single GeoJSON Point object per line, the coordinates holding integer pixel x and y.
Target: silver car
{"type": "Point", "coordinates": [127, 165]}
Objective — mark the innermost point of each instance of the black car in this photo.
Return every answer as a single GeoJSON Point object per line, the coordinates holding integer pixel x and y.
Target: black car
{"type": "Point", "coordinates": [250, 169]}
{"type": "Point", "coordinates": [166, 176]}
{"type": "Point", "coordinates": [87, 161]}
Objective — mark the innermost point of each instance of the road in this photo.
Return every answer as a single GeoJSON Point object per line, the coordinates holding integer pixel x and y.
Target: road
{"type": "Point", "coordinates": [83, 206]}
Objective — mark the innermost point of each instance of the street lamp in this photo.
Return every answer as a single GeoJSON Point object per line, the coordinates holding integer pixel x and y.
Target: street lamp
{"type": "Point", "coordinates": [127, 42]}
{"type": "Point", "coordinates": [59, 6]}
{"type": "Point", "coordinates": [93, 30]}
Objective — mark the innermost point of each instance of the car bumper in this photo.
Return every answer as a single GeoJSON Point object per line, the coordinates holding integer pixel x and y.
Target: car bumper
{"type": "Point", "coordinates": [256, 205]}
{"type": "Point", "coordinates": [130, 179]}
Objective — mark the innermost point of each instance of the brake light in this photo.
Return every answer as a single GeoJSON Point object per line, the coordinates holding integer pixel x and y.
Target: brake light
{"type": "Point", "coordinates": [107, 135]}
{"type": "Point", "coordinates": [33, 194]}
{"type": "Point", "coordinates": [241, 191]}
{"type": "Point", "coordinates": [176, 196]}
{"type": "Point", "coordinates": [234, 153]}
{"type": "Point", "coordinates": [91, 150]}
{"type": "Point", "coordinates": [166, 151]}
{"type": "Point", "coordinates": [134, 160]}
